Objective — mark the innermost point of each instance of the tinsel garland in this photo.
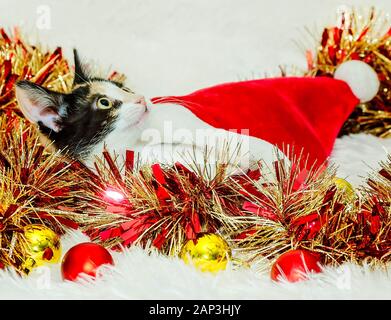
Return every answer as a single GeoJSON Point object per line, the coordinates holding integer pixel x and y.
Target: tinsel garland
{"type": "Point", "coordinates": [36, 187]}
{"type": "Point", "coordinates": [19, 60]}
{"type": "Point", "coordinates": [318, 216]}
{"type": "Point", "coordinates": [366, 37]}
{"type": "Point", "coordinates": [162, 207]}
{"type": "Point", "coordinates": [157, 205]}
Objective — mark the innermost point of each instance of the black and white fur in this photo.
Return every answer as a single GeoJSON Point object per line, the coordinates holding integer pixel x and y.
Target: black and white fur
{"type": "Point", "coordinates": [77, 123]}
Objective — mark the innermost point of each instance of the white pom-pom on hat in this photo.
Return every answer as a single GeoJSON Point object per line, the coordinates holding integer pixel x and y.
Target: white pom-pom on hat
{"type": "Point", "coordinates": [360, 77]}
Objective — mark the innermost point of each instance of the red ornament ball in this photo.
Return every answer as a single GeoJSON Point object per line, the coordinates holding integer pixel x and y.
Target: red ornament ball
{"type": "Point", "coordinates": [295, 264]}
{"type": "Point", "coordinates": [84, 258]}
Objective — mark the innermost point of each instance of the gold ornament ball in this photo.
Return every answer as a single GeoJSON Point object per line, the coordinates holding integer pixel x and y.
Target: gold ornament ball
{"type": "Point", "coordinates": [209, 252]}
{"type": "Point", "coordinates": [42, 246]}
{"type": "Point", "coordinates": [345, 187]}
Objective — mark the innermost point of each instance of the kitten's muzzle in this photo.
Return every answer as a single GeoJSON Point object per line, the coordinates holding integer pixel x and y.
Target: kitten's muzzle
{"type": "Point", "coordinates": [140, 100]}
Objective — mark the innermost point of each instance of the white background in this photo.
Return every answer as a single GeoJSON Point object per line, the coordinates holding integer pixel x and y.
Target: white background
{"type": "Point", "coordinates": [176, 46]}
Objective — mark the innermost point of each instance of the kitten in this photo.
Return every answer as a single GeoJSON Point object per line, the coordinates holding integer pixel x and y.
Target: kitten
{"type": "Point", "coordinates": [101, 114]}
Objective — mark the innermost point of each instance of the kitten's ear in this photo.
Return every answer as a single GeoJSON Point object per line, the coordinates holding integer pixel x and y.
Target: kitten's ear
{"type": "Point", "coordinates": [40, 105]}
{"type": "Point", "coordinates": [81, 74]}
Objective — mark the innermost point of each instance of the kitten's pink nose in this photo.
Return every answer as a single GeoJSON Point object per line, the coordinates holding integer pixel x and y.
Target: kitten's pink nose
{"type": "Point", "coordinates": [140, 100]}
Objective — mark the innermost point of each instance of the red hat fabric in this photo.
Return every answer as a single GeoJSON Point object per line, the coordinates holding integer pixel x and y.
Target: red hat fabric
{"type": "Point", "coordinates": [304, 112]}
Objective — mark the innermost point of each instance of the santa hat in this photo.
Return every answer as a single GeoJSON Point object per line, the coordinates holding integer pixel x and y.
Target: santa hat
{"type": "Point", "coordinates": [303, 112]}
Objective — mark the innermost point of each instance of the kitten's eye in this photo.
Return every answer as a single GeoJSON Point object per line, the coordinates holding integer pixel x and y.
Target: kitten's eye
{"type": "Point", "coordinates": [104, 103]}
{"type": "Point", "coordinates": [127, 90]}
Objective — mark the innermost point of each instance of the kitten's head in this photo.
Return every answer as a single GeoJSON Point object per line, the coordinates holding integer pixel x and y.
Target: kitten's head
{"type": "Point", "coordinates": [82, 119]}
